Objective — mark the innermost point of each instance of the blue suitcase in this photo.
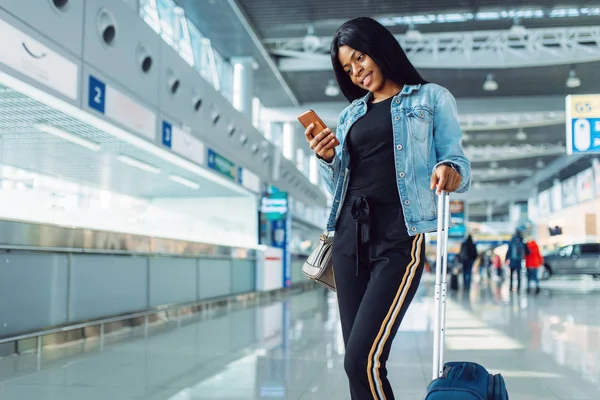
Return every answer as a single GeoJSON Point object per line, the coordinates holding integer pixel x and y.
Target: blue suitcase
{"type": "Point", "coordinates": [455, 380]}
{"type": "Point", "coordinates": [467, 381]}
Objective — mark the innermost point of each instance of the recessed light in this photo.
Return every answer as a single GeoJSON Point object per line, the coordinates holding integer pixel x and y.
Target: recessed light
{"type": "Point", "coordinates": [51, 130]}
{"type": "Point", "coordinates": [138, 164]}
{"type": "Point", "coordinates": [183, 181]}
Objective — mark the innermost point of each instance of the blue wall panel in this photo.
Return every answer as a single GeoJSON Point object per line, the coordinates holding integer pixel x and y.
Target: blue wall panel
{"type": "Point", "coordinates": [107, 285]}
{"type": "Point", "coordinates": [33, 291]}
{"type": "Point", "coordinates": [214, 278]}
{"type": "Point", "coordinates": [172, 280]}
{"type": "Point", "coordinates": [243, 278]}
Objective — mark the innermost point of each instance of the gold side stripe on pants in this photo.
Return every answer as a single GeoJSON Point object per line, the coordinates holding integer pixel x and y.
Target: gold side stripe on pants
{"type": "Point", "coordinates": [388, 322]}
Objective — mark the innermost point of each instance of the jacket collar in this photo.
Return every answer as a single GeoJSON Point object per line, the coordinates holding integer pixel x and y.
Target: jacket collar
{"type": "Point", "coordinates": [406, 90]}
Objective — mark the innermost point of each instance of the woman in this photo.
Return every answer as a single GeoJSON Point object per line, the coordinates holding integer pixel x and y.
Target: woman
{"type": "Point", "coordinates": [398, 141]}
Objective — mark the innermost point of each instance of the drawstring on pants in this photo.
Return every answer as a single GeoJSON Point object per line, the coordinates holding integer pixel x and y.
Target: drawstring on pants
{"type": "Point", "coordinates": [361, 215]}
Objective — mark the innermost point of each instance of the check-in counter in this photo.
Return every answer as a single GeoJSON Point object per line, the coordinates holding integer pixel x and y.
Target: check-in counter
{"type": "Point", "coordinates": [54, 276]}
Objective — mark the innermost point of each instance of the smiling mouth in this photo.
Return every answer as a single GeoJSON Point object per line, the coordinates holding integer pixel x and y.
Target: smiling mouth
{"type": "Point", "coordinates": [367, 79]}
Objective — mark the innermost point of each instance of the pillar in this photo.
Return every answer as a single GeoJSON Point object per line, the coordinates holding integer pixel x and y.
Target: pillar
{"type": "Point", "coordinates": [490, 212]}
{"type": "Point", "coordinates": [243, 84]}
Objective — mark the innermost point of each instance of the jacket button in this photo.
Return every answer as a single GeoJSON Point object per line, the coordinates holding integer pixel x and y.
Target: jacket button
{"type": "Point", "coordinates": [399, 147]}
{"type": "Point", "coordinates": [397, 118]}
{"type": "Point", "coordinates": [402, 174]}
{"type": "Point", "coordinates": [407, 202]}
{"type": "Point", "coordinates": [413, 229]}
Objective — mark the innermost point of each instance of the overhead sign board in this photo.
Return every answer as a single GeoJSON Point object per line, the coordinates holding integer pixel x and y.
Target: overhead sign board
{"type": "Point", "coordinates": [583, 123]}
{"type": "Point", "coordinates": [120, 108]}
{"type": "Point", "coordinates": [222, 165]}
{"type": "Point", "coordinates": [28, 56]}
{"type": "Point", "coordinates": [182, 142]}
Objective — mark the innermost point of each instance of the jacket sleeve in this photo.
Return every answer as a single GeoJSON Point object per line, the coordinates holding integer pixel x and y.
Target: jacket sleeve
{"type": "Point", "coordinates": [447, 137]}
{"type": "Point", "coordinates": [330, 171]}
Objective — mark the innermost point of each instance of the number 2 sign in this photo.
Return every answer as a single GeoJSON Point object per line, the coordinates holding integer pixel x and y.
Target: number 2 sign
{"type": "Point", "coordinates": [97, 94]}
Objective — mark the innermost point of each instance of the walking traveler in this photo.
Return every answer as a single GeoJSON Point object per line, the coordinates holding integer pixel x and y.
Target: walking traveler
{"type": "Point", "coordinates": [533, 261]}
{"type": "Point", "coordinates": [517, 250]}
{"type": "Point", "coordinates": [468, 255]}
{"type": "Point", "coordinates": [397, 144]}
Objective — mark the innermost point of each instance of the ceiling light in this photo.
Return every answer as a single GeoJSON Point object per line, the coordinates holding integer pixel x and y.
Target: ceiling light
{"type": "Point", "coordinates": [521, 135]}
{"type": "Point", "coordinates": [138, 164]}
{"type": "Point", "coordinates": [517, 30]}
{"type": "Point", "coordinates": [413, 33]}
{"type": "Point", "coordinates": [51, 130]}
{"type": "Point", "coordinates": [490, 84]}
{"type": "Point", "coordinates": [494, 164]}
{"type": "Point", "coordinates": [183, 181]}
{"type": "Point", "coordinates": [540, 164]}
{"type": "Point", "coordinates": [332, 89]}
{"type": "Point", "coordinates": [311, 42]}
{"type": "Point", "coordinates": [573, 80]}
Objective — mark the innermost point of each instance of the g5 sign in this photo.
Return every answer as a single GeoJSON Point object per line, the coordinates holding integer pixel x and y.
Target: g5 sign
{"type": "Point", "coordinates": [586, 107]}
{"type": "Point", "coordinates": [583, 124]}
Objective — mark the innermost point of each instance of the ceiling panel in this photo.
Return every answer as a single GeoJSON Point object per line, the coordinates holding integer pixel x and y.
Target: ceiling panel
{"type": "Point", "coordinates": [310, 86]}
{"type": "Point", "coordinates": [554, 134]}
{"type": "Point", "coordinates": [23, 146]}
{"type": "Point", "coordinates": [290, 18]}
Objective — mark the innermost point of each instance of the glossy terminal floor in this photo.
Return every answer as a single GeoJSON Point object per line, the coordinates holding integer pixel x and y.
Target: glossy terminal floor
{"type": "Point", "coordinates": [547, 346]}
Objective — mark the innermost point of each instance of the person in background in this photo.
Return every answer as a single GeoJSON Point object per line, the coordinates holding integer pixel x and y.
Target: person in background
{"type": "Point", "coordinates": [497, 264]}
{"type": "Point", "coordinates": [533, 261]}
{"type": "Point", "coordinates": [468, 255]}
{"type": "Point", "coordinates": [517, 250]}
{"type": "Point", "coordinates": [485, 260]}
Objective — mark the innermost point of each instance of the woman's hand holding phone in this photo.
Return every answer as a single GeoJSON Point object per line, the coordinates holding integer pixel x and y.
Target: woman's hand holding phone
{"type": "Point", "coordinates": [323, 143]}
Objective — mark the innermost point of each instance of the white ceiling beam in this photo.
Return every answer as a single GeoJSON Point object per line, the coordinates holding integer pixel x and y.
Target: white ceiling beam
{"type": "Point", "coordinates": [508, 153]}
{"type": "Point", "coordinates": [251, 31]}
{"type": "Point", "coordinates": [466, 50]}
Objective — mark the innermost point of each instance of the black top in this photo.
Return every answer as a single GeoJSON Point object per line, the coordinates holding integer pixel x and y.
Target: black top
{"type": "Point", "coordinates": [371, 147]}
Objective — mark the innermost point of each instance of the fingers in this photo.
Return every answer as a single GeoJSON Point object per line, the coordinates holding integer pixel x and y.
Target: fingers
{"type": "Point", "coordinates": [434, 180]}
{"type": "Point", "coordinates": [443, 181]}
{"type": "Point", "coordinates": [308, 132]}
{"type": "Point", "coordinates": [324, 138]}
{"type": "Point", "coordinates": [446, 179]}
{"type": "Point", "coordinates": [325, 145]}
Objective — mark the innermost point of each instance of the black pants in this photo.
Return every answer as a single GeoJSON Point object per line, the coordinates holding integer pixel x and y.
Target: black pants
{"type": "Point", "coordinates": [378, 267]}
{"type": "Point", "coordinates": [515, 271]}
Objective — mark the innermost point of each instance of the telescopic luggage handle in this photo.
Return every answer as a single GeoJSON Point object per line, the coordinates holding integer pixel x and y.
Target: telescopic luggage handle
{"type": "Point", "coordinates": [441, 273]}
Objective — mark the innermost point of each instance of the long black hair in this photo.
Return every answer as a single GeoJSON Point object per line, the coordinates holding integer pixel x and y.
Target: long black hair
{"type": "Point", "coordinates": [370, 37]}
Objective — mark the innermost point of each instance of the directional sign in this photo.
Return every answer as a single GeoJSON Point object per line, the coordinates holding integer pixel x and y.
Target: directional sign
{"type": "Point", "coordinates": [583, 123]}
{"type": "Point", "coordinates": [222, 165]}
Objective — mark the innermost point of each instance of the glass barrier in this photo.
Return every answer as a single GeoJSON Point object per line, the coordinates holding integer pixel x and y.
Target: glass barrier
{"type": "Point", "coordinates": [170, 22]}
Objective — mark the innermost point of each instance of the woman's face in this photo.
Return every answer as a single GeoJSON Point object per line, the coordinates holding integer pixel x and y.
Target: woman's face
{"type": "Point", "coordinates": [361, 68]}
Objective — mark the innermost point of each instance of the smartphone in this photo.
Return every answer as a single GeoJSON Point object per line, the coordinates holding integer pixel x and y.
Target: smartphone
{"type": "Point", "coordinates": [311, 117]}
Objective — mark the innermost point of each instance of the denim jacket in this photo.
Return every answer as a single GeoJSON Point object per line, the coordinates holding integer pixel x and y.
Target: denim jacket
{"type": "Point", "coordinates": [426, 135]}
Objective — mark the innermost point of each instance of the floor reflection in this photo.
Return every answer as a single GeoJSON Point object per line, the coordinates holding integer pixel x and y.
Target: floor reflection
{"type": "Point", "coordinates": [546, 345]}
